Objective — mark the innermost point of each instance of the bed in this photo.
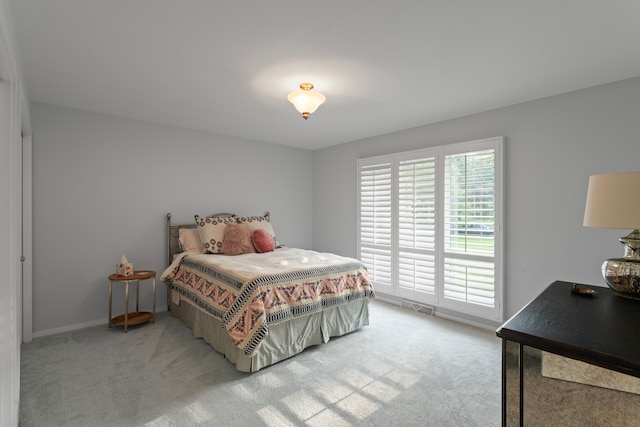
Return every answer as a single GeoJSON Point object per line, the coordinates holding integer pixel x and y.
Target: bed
{"type": "Point", "coordinates": [264, 306]}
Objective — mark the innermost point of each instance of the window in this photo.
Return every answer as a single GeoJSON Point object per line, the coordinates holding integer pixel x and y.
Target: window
{"type": "Point", "coordinates": [429, 225]}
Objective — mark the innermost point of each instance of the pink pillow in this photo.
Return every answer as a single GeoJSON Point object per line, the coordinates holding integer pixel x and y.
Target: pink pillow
{"type": "Point", "coordinates": [237, 240]}
{"type": "Point", "coordinates": [263, 241]}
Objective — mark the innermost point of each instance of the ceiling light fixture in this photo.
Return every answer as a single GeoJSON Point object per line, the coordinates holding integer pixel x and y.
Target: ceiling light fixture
{"type": "Point", "coordinates": [306, 101]}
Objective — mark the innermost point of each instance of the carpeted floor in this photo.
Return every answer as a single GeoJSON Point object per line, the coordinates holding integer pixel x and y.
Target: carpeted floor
{"type": "Point", "coordinates": [405, 368]}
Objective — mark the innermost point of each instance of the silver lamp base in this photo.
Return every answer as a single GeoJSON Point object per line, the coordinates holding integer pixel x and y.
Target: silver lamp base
{"type": "Point", "coordinates": [623, 274]}
{"type": "Point", "coordinates": [623, 277]}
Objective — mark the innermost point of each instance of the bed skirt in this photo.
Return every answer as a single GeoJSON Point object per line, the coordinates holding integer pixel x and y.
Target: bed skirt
{"type": "Point", "coordinates": [283, 341]}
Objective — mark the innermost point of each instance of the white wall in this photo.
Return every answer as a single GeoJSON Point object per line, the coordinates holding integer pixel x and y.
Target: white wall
{"type": "Point", "coordinates": [82, 174]}
{"type": "Point", "coordinates": [102, 186]}
{"type": "Point", "coordinates": [552, 146]}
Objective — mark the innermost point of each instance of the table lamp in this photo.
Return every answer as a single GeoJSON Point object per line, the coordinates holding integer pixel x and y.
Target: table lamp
{"type": "Point", "coordinates": [613, 201]}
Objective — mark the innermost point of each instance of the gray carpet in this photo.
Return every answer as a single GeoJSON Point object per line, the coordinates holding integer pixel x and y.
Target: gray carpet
{"type": "Point", "coordinates": [405, 368]}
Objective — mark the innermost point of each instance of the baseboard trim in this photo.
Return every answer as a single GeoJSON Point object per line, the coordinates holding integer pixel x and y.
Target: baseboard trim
{"type": "Point", "coordinates": [435, 311]}
{"type": "Point", "coordinates": [74, 327]}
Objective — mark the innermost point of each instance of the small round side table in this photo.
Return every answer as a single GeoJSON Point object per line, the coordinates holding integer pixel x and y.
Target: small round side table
{"type": "Point", "coordinates": [136, 317]}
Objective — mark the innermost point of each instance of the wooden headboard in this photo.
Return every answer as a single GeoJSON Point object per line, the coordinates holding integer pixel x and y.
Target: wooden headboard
{"type": "Point", "coordinates": [173, 231]}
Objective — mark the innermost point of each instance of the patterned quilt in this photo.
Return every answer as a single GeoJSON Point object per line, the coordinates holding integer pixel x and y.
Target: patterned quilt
{"type": "Point", "coordinates": [252, 291]}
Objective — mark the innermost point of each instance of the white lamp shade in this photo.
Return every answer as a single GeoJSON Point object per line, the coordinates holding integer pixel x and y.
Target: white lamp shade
{"type": "Point", "coordinates": [613, 201]}
{"type": "Point", "coordinates": [306, 101]}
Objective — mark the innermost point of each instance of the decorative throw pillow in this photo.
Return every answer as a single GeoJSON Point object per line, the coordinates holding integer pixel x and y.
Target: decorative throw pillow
{"type": "Point", "coordinates": [189, 240]}
{"type": "Point", "coordinates": [211, 232]}
{"type": "Point", "coordinates": [237, 240]}
{"type": "Point", "coordinates": [263, 241]}
{"type": "Point", "coordinates": [254, 223]}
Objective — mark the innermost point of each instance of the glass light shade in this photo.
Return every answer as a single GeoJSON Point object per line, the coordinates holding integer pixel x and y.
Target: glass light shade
{"type": "Point", "coordinates": [305, 101]}
{"type": "Point", "coordinates": [613, 201]}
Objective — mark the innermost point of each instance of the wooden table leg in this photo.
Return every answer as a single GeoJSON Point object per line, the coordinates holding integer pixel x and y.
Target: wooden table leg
{"type": "Point", "coordinates": [137, 296]}
{"type": "Point", "coordinates": [110, 301]}
{"type": "Point", "coordinates": [126, 305]}
{"type": "Point", "coordinates": [154, 300]}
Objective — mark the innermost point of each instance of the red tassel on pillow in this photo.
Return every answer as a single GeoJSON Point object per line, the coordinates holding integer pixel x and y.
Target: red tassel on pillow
{"type": "Point", "coordinates": [263, 241]}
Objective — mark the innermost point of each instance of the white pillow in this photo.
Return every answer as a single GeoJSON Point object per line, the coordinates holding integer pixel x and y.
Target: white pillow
{"type": "Point", "coordinates": [190, 241]}
{"type": "Point", "coordinates": [211, 231]}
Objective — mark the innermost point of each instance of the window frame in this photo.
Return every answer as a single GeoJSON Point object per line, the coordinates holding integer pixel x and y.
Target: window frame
{"type": "Point", "coordinates": [437, 299]}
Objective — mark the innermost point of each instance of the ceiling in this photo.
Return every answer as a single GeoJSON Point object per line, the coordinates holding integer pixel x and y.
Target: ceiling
{"type": "Point", "coordinates": [226, 66]}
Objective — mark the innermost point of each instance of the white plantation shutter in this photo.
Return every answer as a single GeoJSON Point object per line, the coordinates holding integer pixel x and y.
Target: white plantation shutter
{"type": "Point", "coordinates": [469, 221]}
{"type": "Point", "coordinates": [375, 202]}
{"type": "Point", "coordinates": [469, 281]}
{"type": "Point", "coordinates": [429, 226]}
{"type": "Point", "coordinates": [416, 219]}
